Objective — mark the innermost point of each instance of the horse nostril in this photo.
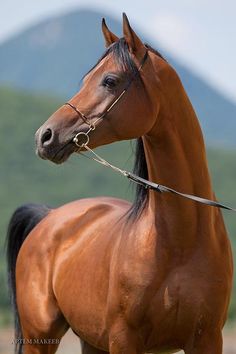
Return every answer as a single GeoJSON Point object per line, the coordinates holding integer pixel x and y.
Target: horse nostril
{"type": "Point", "coordinates": [46, 137]}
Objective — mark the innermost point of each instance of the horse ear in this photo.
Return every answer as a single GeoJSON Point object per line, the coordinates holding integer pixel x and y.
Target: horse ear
{"type": "Point", "coordinates": [135, 44]}
{"type": "Point", "coordinates": [108, 35]}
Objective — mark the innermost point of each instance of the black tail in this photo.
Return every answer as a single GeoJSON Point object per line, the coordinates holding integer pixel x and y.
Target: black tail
{"type": "Point", "coordinates": [24, 219]}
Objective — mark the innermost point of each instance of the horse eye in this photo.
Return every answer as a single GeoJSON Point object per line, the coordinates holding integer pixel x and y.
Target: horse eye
{"type": "Point", "coordinates": [109, 82]}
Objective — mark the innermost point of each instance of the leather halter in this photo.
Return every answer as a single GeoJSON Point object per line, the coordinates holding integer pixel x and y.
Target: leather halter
{"type": "Point", "coordinates": [84, 136]}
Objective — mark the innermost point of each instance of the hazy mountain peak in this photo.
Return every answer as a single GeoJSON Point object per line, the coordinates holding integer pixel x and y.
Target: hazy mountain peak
{"type": "Point", "coordinates": [46, 36]}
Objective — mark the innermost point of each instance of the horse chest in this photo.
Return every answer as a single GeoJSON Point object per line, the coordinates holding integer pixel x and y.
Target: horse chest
{"type": "Point", "coordinates": [163, 296]}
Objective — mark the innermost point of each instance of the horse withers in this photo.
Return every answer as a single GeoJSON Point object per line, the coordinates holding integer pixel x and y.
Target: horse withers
{"type": "Point", "coordinates": [151, 276]}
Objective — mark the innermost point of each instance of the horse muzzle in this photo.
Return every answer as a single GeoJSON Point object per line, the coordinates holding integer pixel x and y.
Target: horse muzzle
{"type": "Point", "coordinates": [49, 146]}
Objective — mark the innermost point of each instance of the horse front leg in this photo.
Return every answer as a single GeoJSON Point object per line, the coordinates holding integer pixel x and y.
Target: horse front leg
{"type": "Point", "coordinates": [42, 327]}
{"type": "Point", "coordinates": [41, 343]}
{"type": "Point", "coordinates": [210, 343]}
{"type": "Point", "coordinates": [123, 340]}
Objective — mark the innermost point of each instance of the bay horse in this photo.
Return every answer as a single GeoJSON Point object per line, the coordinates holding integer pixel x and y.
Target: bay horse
{"type": "Point", "coordinates": [151, 276]}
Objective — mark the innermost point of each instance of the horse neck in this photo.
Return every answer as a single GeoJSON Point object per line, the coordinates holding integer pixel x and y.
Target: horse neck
{"type": "Point", "coordinates": [176, 157]}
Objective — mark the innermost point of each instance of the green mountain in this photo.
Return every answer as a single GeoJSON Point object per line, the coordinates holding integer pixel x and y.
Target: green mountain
{"type": "Point", "coordinates": [25, 178]}
{"type": "Point", "coordinates": [53, 55]}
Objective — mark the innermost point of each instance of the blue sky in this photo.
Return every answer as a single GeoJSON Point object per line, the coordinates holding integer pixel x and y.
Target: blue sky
{"type": "Point", "coordinates": [201, 33]}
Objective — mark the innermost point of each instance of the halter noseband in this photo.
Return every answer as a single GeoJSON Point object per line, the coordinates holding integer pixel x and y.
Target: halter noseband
{"type": "Point", "coordinates": [81, 139]}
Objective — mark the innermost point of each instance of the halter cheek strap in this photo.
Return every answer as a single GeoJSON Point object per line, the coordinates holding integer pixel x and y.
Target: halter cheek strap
{"type": "Point", "coordinates": [81, 139]}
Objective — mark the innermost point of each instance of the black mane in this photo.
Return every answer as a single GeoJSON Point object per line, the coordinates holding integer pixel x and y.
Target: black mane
{"type": "Point", "coordinates": [139, 169]}
{"type": "Point", "coordinates": [121, 55]}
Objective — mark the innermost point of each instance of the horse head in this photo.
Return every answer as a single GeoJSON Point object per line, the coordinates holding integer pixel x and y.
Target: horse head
{"type": "Point", "coordinates": [117, 101]}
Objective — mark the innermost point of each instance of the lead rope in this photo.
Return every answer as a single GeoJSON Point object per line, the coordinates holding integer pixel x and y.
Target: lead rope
{"type": "Point", "coordinates": [151, 185]}
{"type": "Point", "coordinates": [103, 162]}
{"type": "Point", "coordinates": [81, 140]}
